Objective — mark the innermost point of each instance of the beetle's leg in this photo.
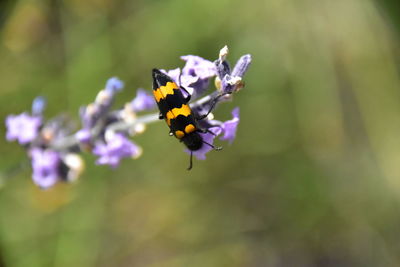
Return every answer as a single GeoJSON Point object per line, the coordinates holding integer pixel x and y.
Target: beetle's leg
{"type": "Point", "coordinates": [208, 131]}
{"type": "Point", "coordinates": [190, 161]}
{"type": "Point", "coordinates": [213, 147]}
{"type": "Point", "coordinates": [187, 98]}
{"type": "Point", "coordinates": [214, 102]}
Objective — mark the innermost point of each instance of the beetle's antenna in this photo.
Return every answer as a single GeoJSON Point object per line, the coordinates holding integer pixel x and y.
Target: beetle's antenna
{"type": "Point", "coordinates": [190, 161]}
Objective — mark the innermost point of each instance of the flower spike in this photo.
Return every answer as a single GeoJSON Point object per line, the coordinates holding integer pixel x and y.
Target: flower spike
{"type": "Point", "coordinates": [54, 146]}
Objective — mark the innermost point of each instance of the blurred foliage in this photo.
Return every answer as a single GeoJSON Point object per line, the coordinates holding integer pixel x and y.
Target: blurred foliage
{"type": "Point", "coordinates": [313, 178]}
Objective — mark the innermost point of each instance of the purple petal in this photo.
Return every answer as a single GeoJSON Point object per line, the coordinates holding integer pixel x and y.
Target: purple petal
{"type": "Point", "coordinates": [104, 99]}
{"type": "Point", "coordinates": [117, 148]}
{"type": "Point", "coordinates": [241, 66]}
{"type": "Point", "coordinates": [196, 74]}
{"type": "Point", "coordinates": [23, 127]}
{"type": "Point", "coordinates": [83, 136]}
{"type": "Point", "coordinates": [199, 67]}
{"type": "Point", "coordinates": [143, 101]}
{"type": "Point", "coordinates": [233, 81]}
{"type": "Point", "coordinates": [12, 130]}
{"type": "Point", "coordinates": [188, 80]}
{"type": "Point", "coordinates": [44, 178]}
{"type": "Point", "coordinates": [199, 87]}
{"type": "Point", "coordinates": [114, 85]}
{"type": "Point", "coordinates": [45, 165]}
{"type": "Point", "coordinates": [173, 74]}
{"type": "Point", "coordinates": [229, 127]}
{"type": "Point", "coordinates": [100, 149]}
{"type": "Point", "coordinates": [192, 84]}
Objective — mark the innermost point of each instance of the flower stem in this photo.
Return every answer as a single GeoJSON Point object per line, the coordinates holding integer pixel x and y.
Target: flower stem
{"type": "Point", "coordinates": [124, 126]}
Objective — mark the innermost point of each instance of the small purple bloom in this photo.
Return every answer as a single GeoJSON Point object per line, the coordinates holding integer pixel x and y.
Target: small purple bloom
{"type": "Point", "coordinates": [199, 67]}
{"type": "Point", "coordinates": [83, 136]}
{"type": "Point", "coordinates": [196, 73]}
{"type": "Point", "coordinates": [241, 66]}
{"type": "Point", "coordinates": [22, 127]}
{"type": "Point", "coordinates": [142, 101]}
{"type": "Point", "coordinates": [208, 138]}
{"type": "Point", "coordinates": [114, 150]}
{"type": "Point", "coordinates": [229, 127]}
{"type": "Point", "coordinates": [230, 84]}
{"type": "Point", "coordinates": [199, 87]}
{"type": "Point", "coordinates": [93, 112]}
{"type": "Point", "coordinates": [38, 105]}
{"type": "Point", "coordinates": [90, 114]}
{"type": "Point", "coordinates": [114, 85]}
{"type": "Point", "coordinates": [232, 81]}
{"type": "Point", "coordinates": [45, 165]}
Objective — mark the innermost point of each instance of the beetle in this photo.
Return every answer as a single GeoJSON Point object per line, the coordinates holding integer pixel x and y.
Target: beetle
{"type": "Point", "coordinates": [175, 110]}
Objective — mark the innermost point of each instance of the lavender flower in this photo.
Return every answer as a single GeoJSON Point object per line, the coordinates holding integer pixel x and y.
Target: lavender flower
{"type": "Point", "coordinates": [142, 101]}
{"type": "Point", "coordinates": [175, 74]}
{"type": "Point", "coordinates": [197, 72]}
{"type": "Point", "coordinates": [45, 165]}
{"type": "Point", "coordinates": [229, 127]}
{"type": "Point", "coordinates": [114, 85]}
{"type": "Point", "coordinates": [241, 66]}
{"type": "Point", "coordinates": [54, 149]}
{"type": "Point", "coordinates": [230, 82]}
{"type": "Point", "coordinates": [38, 105]}
{"type": "Point", "coordinates": [94, 111]}
{"type": "Point", "coordinates": [198, 67]}
{"type": "Point", "coordinates": [22, 127]}
{"type": "Point", "coordinates": [115, 149]}
{"type": "Point", "coordinates": [83, 136]}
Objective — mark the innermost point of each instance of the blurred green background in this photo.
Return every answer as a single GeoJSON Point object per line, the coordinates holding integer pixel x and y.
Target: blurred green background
{"type": "Point", "coordinates": [313, 178]}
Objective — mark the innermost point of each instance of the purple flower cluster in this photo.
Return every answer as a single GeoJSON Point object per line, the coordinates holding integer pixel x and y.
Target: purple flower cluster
{"type": "Point", "coordinates": [195, 75]}
{"type": "Point", "coordinates": [111, 146]}
{"type": "Point", "coordinates": [195, 78]}
{"type": "Point", "coordinates": [49, 166]}
{"type": "Point", "coordinates": [45, 166]}
{"type": "Point", "coordinates": [23, 127]}
{"type": "Point", "coordinates": [54, 146]}
{"type": "Point", "coordinates": [92, 113]}
{"type": "Point", "coordinates": [143, 101]}
{"type": "Point", "coordinates": [116, 148]}
{"type": "Point", "coordinates": [54, 150]}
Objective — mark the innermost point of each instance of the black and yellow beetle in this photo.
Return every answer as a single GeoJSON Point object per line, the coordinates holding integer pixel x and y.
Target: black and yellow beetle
{"type": "Point", "coordinates": [175, 110]}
